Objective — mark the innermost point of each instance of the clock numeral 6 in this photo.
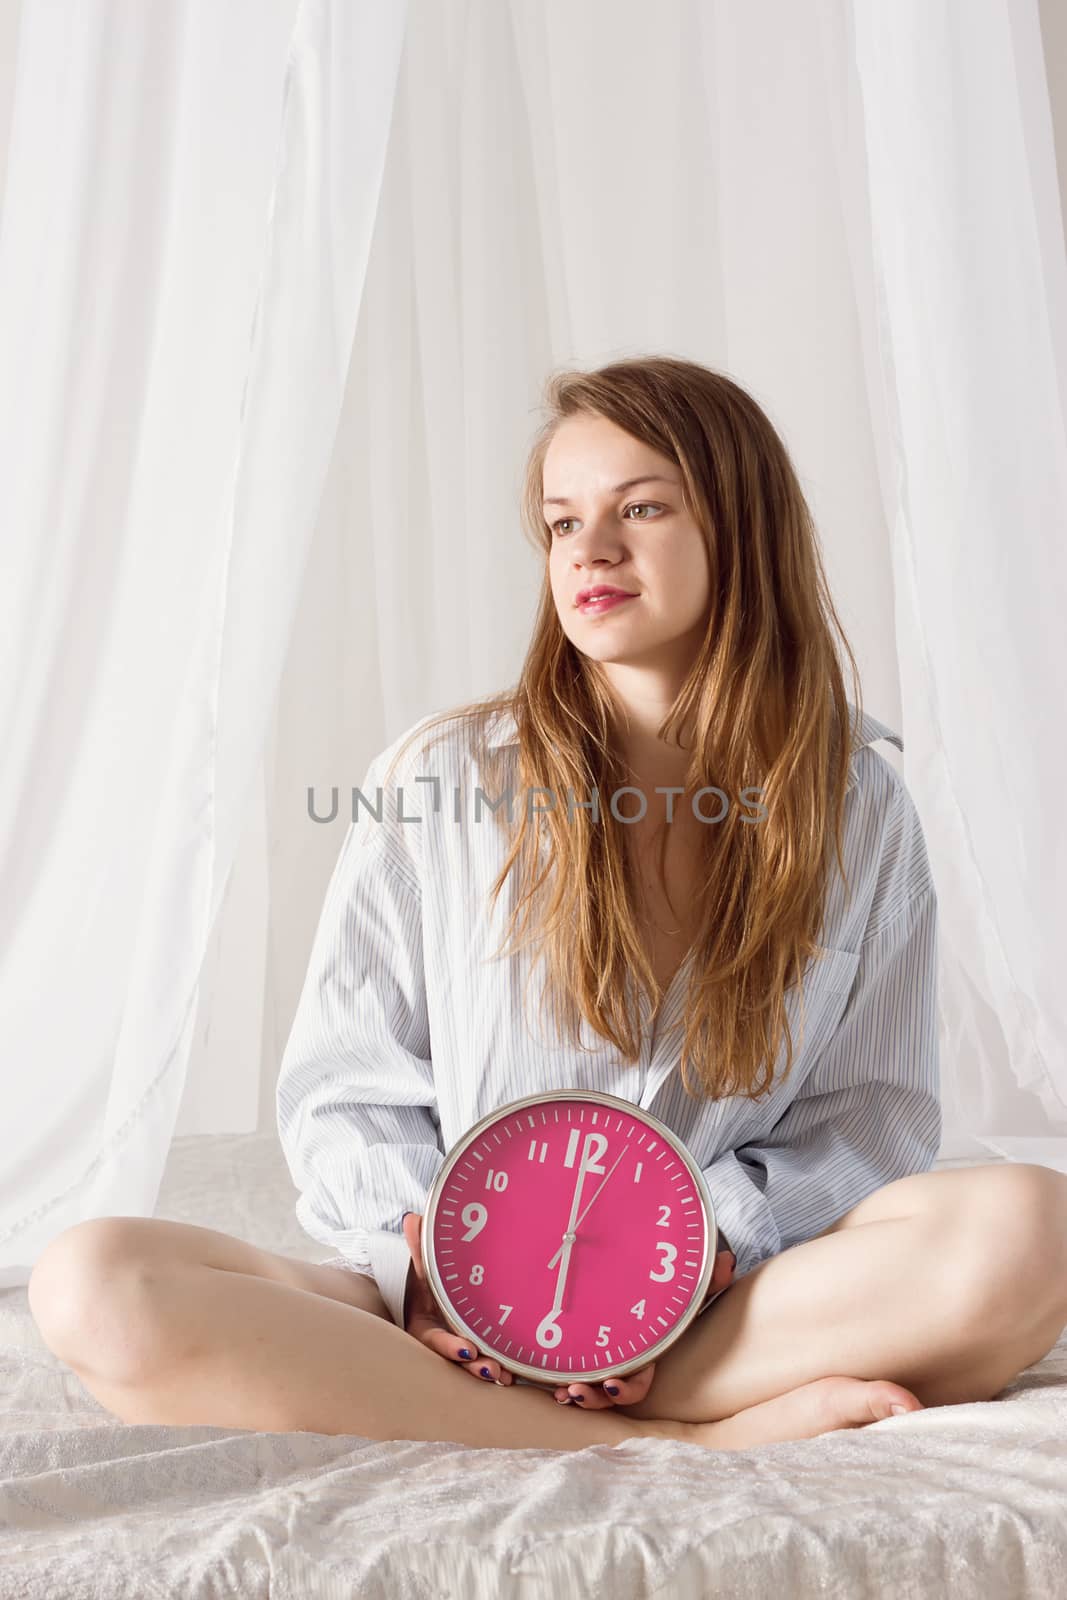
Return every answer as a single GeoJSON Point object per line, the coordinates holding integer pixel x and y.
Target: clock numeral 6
{"type": "Point", "coordinates": [670, 1252]}
{"type": "Point", "coordinates": [602, 1334]}
{"type": "Point", "coordinates": [549, 1333]}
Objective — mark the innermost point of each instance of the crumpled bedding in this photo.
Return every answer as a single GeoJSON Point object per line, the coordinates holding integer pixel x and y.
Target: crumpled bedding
{"type": "Point", "coordinates": [966, 1500]}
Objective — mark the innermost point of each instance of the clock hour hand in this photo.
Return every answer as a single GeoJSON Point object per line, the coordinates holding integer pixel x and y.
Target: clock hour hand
{"type": "Point", "coordinates": [589, 1203]}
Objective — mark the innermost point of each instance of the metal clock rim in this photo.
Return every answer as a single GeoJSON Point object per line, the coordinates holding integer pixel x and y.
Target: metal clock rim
{"type": "Point", "coordinates": [596, 1096]}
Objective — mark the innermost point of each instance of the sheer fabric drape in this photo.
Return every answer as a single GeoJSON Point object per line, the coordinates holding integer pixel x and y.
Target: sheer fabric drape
{"type": "Point", "coordinates": [279, 287]}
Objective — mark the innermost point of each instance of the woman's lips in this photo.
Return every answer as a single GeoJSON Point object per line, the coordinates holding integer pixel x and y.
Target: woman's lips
{"type": "Point", "coordinates": [604, 602]}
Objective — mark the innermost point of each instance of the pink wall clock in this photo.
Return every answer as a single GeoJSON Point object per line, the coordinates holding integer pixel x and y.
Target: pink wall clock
{"type": "Point", "coordinates": [569, 1235]}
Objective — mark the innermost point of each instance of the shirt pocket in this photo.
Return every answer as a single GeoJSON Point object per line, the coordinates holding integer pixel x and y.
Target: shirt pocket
{"type": "Point", "coordinates": [828, 979]}
{"type": "Point", "coordinates": [831, 970]}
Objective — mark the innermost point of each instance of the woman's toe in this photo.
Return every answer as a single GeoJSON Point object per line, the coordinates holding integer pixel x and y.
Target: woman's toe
{"type": "Point", "coordinates": [888, 1399]}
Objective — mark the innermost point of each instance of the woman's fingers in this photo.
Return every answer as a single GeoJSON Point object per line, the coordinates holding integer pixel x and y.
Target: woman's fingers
{"type": "Point", "coordinates": [455, 1348]}
{"type": "Point", "coordinates": [425, 1325]}
{"type": "Point", "coordinates": [723, 1271]}
{"type": "Point", "coordinates": [585, 1396]}
{"type": "Point", "coordinates": [424, 1317]}
{"type": "Point", "coordinates": [612, 1392]}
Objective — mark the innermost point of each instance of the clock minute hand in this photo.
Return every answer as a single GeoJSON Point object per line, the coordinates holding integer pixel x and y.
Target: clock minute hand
{"type": "Point", "coordinates": [567, 1242]}
{"type": "Point", "coordinates": [561, 1278]}
{"type": "Point", "coordinates": [589, 1203]}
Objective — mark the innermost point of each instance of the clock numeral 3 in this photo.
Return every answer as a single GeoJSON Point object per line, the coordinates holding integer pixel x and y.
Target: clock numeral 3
{"type": "Point", "coordinates": [670, 1252]}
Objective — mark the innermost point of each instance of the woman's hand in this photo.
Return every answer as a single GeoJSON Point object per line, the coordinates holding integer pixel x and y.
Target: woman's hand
{"type": "Point", "coordinates": [424, 1321]}
{"type": "Point", "coordinates": [628, 1391]}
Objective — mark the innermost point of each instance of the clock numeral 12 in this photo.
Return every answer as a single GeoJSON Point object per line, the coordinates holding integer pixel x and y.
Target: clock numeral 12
{"type": "Point", "coordinates": [595, 1146]}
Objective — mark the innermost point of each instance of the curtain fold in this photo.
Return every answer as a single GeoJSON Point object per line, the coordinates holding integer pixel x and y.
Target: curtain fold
{"type": "Point", "coordinates": [970, 307]}
{"type": "Point", "coordinates": [211, 177]}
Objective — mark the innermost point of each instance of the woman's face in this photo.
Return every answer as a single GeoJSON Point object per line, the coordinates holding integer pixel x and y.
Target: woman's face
{"type": "Point", "coordinates": [637, 537]}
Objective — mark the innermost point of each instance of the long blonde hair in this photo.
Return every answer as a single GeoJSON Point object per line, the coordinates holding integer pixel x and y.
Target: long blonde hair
{"type": "Point", "coordinates": [766, 701]}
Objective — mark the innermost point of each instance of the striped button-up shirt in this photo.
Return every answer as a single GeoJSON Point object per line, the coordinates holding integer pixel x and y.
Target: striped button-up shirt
{"type": "Point", "coordinates": [407, 1032]}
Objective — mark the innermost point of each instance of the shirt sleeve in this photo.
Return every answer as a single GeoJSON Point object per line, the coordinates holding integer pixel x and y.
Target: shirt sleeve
{"type": "Point", "coordinates": [868, 1111]}
{"type": "Point", "coordinates": [355, 1098]}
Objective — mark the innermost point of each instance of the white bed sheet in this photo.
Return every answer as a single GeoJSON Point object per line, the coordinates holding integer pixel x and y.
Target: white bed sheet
{"type": "Point", "coordinates": [964, 1500]}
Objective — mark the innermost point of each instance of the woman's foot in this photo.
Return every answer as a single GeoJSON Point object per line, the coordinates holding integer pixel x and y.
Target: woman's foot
{"type": "Point", "coordinates": [825, 1405]}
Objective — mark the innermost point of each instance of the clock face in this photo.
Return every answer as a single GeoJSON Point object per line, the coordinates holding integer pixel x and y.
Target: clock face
{"type": "Point", "coordinates": [546, 1305]}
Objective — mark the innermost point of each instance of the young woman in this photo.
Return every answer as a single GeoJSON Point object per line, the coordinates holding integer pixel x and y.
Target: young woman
{"type": "Point", "coordinates": [741, 939]}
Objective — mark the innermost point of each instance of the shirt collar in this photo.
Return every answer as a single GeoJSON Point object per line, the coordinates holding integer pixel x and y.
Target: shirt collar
{"type": "Point", "coordinates": [504, 730]}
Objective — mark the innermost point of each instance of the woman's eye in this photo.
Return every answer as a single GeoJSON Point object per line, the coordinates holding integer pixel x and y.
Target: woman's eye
{"type": "Point", "coordinates": [635, 505]}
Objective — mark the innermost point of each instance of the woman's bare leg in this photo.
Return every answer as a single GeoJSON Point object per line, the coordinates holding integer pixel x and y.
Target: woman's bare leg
{"type": "Point", "coordinates": [950, 1283]}
{"type": "Point", "coordinates": [170, 1323]}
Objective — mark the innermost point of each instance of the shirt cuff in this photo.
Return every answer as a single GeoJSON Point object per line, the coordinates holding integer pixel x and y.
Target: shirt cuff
{"type": "Point", "coordinates": [391, 1261]}
{"type": "Point", "coordinates": [741, 1212]}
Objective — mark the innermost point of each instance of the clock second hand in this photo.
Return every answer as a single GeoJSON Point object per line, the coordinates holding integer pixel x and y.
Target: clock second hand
{"type": "Point", "coordinates": [589, 1203]}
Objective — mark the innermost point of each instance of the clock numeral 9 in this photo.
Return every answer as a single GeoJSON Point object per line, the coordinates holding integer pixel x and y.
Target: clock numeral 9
{"type": "Point", "coordinates": [670, 1252]}
{"type": "Point", "coordinates": [474, 1217]}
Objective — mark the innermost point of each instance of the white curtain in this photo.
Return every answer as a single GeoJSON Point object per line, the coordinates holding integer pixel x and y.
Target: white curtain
{"type": "Point", "coordinates": [279, 288]}
{"type": "Point", "coordinates": [970, 355]}
{"type": "Point", "coordinates": [189, 201]}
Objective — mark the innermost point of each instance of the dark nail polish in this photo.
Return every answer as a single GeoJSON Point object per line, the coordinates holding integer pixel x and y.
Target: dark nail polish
{"type": "Point", "coordinates": [579, 1399]}
{"type": "Point", "coordinates": [466, 1355]}
{"type": "Point", "coordinates": [486, 1373]}
{"type": "Point", "coordinates": [613, 1388]}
